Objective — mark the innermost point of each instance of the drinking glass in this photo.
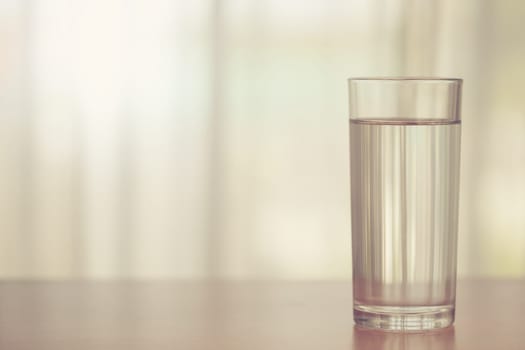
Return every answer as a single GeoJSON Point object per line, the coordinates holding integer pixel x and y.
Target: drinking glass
{"type": "Point", "coordinates": [404, 160]}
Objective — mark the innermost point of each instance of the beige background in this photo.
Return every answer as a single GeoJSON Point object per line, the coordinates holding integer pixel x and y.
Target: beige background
{"type": "Point", "coordinates": [209, 138]}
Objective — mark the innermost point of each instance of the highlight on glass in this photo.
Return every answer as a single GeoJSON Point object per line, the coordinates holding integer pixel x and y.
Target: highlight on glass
{"type": "Point", "coordinates": [404, 159]}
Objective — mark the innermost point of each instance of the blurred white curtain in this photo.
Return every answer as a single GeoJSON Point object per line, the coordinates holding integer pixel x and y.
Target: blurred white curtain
{"type": "Point", "coordinates": [209, 138]}
{"type": "Point", "coordinates": [104, 128]}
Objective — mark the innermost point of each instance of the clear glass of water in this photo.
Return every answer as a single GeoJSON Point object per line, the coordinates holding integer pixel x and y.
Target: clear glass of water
{"type": "Point", "coordinates": [404, 160]}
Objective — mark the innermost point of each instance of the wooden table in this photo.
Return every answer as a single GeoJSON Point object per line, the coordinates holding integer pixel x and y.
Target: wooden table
{"type": "Point", "coordinates": [238, 315]}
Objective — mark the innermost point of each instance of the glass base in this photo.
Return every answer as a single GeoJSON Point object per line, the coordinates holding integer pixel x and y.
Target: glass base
{"type": "Point", "coordinates": [404, 318]}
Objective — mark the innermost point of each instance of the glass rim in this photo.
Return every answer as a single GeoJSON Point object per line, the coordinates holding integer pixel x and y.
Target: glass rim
{"type": "Point", "coordinates": [399, 79]}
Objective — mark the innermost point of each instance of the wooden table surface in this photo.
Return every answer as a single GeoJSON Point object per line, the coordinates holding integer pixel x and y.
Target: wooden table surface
{"type": "Point", "coordinates": [238, 315]}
